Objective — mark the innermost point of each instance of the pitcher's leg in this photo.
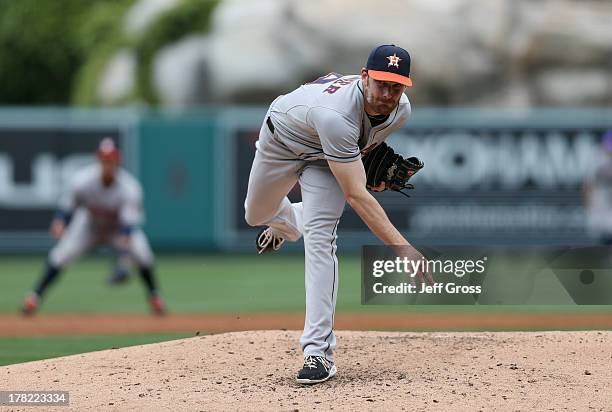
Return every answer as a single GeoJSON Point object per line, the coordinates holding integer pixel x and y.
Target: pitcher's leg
{"type": "Point", "coordinates": [323, 204]}
{"type": "Point", "coordinates": [288, 222]}
{"type": "Point", "coordinates": [266, 202]}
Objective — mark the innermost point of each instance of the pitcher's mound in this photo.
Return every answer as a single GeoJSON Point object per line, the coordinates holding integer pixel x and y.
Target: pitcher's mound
{"type": "Point", "coordinates": [376, 371]}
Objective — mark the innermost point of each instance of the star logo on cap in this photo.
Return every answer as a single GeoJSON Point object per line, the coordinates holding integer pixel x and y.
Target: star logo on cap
{"type": "Point", "coordinates": [394, 60]}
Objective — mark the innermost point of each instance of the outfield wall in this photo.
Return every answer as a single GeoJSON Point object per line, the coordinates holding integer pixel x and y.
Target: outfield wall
{"type": "Point", "coordinates": [490, 176]}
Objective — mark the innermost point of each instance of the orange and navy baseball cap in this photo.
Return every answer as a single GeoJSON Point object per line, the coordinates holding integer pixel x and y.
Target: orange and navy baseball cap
{"type": "Point", "coordinates": [107, 150]}
{"type": "Point", "coordinates": [389, 63]}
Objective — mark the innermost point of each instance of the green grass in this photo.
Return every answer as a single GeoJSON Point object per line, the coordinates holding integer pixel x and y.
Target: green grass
{"type": "Point", "coordinates": [190, 284]}
{"type": "Point", "coordinates": [212, 283]}
{"type": "Point", "coordinates": [18, 350]}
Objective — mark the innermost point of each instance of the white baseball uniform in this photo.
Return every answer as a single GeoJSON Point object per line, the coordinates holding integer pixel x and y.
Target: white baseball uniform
{"type": "Point", "coordinates": [99, 212]}
{"type": "Point", "coordinates": [319, 121]}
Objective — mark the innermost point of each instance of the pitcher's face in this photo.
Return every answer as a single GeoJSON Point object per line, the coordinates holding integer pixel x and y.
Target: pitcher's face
{"type": "Point", "coordinates": [381, 97]}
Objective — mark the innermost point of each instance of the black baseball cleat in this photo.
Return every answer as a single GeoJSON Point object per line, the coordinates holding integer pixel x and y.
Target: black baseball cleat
{"type": "Point", "coordinates": [316, 369]}
{"type": "Point", "coordinates": [267, 241]}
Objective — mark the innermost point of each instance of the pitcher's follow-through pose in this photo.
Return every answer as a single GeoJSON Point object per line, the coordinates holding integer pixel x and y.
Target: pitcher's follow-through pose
{"type": "Point", "coordinates": [103, 206]}
{"type": "Point", "coordinates": [317, 135]}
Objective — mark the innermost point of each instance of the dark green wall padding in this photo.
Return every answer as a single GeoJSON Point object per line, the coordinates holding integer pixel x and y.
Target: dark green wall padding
{"type": "Point", "coordinates": [177, 171]}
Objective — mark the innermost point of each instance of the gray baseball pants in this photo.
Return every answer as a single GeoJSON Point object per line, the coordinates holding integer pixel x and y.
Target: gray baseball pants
{"type": "Point", "coordinates": [274, 172]}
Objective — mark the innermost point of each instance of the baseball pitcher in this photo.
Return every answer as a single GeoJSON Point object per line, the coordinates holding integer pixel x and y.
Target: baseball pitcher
{"type": "Point", "coordinates": [318, 135]}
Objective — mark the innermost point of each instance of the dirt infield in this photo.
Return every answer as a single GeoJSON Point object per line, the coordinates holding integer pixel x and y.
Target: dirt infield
{"type": "Point", "coordinates": [15, 325]}
{"type": "Point", "coordinates": [376, 371]}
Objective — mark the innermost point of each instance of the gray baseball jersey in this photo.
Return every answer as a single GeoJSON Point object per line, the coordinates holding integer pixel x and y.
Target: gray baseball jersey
{"type": "Point", "coordinates": [325, 119]}
{"type": "Point", "coordinates": [99, 213]}
{"type": "Point", "coordinates": [319, 121]}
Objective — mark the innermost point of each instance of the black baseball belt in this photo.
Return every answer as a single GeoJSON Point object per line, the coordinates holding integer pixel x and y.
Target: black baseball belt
{"type": "Point", "coordinates": [270, 124]}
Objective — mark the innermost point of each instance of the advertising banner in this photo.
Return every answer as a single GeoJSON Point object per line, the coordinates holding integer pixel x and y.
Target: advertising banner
{"type": "Point", "coordinates": [36, 164]}
{"type": "Point", "coordinates": [502, 179]}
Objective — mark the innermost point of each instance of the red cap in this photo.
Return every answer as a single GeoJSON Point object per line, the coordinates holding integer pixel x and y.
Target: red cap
{"type": "Point", "coordinates": [107, 150]}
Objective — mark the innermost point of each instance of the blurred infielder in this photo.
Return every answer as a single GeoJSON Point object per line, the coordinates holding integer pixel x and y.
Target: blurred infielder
{"type": "Point", "coordinates": [317, 135]}
{"type": "Point", "coordinates": [103, 206]}
{"type": "Point", "coordinates": [598, 195]}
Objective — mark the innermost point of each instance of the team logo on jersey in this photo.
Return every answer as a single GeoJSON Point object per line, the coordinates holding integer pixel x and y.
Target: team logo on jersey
{"type": "Point", "coordinates": [394, 60]}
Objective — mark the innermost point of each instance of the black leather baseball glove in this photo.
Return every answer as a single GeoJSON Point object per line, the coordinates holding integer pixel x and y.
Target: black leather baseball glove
{"type": "Point", "coordinates": [382, 164]}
